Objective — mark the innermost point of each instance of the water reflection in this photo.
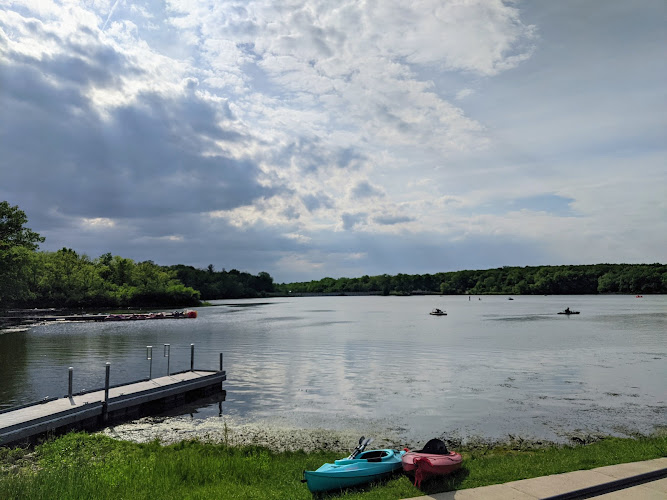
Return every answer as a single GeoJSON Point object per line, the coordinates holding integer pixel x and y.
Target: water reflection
{"type": "Point", "coordinates": [489, 368]}
{"type": "Point", "coordinates": [13, 365]}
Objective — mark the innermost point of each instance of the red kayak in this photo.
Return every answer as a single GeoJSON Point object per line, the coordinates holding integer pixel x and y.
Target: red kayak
{"type": "Point", "coordinates": [433, 460]}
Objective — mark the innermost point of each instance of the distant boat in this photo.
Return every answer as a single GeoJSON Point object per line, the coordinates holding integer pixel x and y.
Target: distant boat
{"type": "Point", "coordinates": [510, 298]}
{"type": "Point", "coordinates": [568, 312]}
{"type": "Point", "coordinates": [437, 312]}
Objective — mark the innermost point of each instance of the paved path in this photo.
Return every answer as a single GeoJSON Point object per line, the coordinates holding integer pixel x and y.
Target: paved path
{"type": "Point", "coordinates": [559, 484]}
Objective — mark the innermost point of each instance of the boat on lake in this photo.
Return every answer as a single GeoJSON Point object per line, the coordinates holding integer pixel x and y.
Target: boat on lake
{"type": "Point", "coordinates": [360, 467]}
{"type": "Point", "coordinates": [432, 460]}
{"type": "Point", "coordinates": [438, 312]}
{"type": "Point", "coordinates": [568, 312]}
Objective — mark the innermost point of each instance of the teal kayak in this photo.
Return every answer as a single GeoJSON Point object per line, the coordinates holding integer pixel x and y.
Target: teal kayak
{"type": "Point", "coordinates": [362, 468]}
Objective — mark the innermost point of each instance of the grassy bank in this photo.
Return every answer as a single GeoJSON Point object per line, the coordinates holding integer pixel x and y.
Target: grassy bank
{"type": "Point", "coordinates": [82, 466]}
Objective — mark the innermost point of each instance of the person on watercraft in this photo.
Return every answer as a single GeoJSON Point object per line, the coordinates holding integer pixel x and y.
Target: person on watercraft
{"type": "Point", "coordinates": [567, 311]}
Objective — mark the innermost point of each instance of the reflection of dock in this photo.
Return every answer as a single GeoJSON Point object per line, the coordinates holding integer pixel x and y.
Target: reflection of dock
{"type": "Point", "coordinates": [97, 408]}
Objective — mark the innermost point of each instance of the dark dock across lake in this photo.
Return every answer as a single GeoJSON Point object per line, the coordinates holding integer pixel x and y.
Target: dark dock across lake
{"type": "Point", "coordinates": [27, 318]}
{"type": "Point", "coordinates": [98, 408]}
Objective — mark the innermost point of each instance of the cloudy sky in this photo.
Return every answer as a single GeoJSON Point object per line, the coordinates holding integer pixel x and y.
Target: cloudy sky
{"type": "Point", "coordinates": [310, 138]}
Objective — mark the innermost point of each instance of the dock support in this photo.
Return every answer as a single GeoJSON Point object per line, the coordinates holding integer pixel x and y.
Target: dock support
{"type": "Point", "coordinates": [192, 357]}
{"type": "Point", "coordinates": [105, 407]}
{"type": "Point", "coordinates": [149, 357]}
{"type": "Point", "coordinates": [167, 351]}
{"type": "Point", "coordinates": [220, 361]}
{"type": "Point", "coordinates": [71, 378]}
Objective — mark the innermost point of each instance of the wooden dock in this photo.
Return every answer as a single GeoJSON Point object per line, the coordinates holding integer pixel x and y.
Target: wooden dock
{"type": "Point", "coordinates": [98, 408]}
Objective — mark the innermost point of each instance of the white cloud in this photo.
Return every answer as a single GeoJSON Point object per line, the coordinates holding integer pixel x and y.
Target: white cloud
{"type": "Point", "coordinates": [299, 237]}
{"type": "Point", "coordinates": [98, 222]}
{"type": "Point", "coordinates": [291, 127]}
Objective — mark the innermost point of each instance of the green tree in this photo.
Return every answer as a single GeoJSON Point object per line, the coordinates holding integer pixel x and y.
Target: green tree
{"type": "Point", "coordinates": [225, 285]}
{"type": "Point", "coordinates": [17, 247]}
{"type": "Point", "coordinates": [264, 282]}
{"type": "Point", "coordinates": [12, 231]}
{"type": "Point", "coordinates": [67, 279]}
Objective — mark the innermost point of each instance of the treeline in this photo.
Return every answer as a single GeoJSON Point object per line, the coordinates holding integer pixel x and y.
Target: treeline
{"type": "Point", "coordinates": [538, 280]}
{"type": "Point", "coordinates": [223, 284]}
{"type": "Point", "coordinates": [65, 279]}
{"type": "Point", "coordinates": [30, 278]}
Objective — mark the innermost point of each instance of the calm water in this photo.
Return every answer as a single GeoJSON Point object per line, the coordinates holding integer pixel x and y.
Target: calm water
{"type": "Point", "coordinates": [492, 367]}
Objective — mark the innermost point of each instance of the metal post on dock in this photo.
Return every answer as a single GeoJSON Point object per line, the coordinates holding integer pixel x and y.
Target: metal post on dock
{"type": "Point", "coordinates": [105, 406]}
{"type": "Point", "coordinates": [167, 349]}
{"type": "Point", "coordinates": [129, 400]}
{"type": "Point", "coordinates": [106, 382]}
{"type": "Point", "coordinates": [149, 357]}
{"type": "Point", "coordinates": [192, 357]}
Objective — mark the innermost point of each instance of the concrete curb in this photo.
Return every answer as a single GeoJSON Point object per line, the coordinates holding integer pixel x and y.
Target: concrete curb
{"type": "Point", "coordinates": [639, 480]}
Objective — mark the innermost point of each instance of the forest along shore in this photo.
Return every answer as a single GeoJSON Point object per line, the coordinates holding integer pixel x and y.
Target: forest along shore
{"type": "Point", "coordinates": [531, 280]}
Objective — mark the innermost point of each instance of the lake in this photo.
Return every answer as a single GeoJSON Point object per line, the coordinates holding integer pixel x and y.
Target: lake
{"type": "Point", "coordinates": [491, 368]}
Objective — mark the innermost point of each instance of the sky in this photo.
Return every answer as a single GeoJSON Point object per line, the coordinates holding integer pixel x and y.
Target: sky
{"type": "Point", "coordinates": [312, 139]}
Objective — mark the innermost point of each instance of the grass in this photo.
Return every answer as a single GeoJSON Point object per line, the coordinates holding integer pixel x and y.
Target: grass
{"type": "Point", "coordinates": [83, 466]}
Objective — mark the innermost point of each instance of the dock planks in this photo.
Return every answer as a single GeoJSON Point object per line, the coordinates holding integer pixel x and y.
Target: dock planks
{"type": "Point", "coordinates": [29, 421]}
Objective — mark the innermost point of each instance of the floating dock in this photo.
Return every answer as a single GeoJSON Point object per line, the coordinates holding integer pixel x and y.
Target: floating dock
{"type": "Point", "coordinates": [33, 318]}
{"type": "Point", "coordinates": [98, 408]}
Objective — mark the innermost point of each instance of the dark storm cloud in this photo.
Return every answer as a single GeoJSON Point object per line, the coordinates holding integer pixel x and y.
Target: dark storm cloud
{"type": "Point", "coordinates": [85, 65]}
{"type": "Point", "coordinates": [81, 62]}
{"type": "Point", "coordinates": [143, 158]}
{"type": "Point", "coordinates": [24, 88]}
{"type": "Point", "coordinates": [152, 165]}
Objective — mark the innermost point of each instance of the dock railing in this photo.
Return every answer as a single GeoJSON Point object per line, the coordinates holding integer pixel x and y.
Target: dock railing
{"type": "Point", "coordinates": [95, 408]}
{"type": "Point", "coordinates": [107, 386]}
